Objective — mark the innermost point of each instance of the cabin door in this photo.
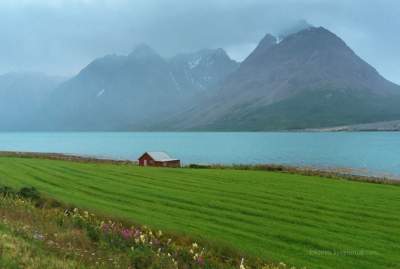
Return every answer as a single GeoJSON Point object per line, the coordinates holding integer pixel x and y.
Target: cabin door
{"type": "Point", "coordinates": [145, 162]}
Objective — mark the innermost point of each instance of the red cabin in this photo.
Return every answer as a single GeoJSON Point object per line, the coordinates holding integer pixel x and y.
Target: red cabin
{"type": "Point", "coordinates": [159, 159]}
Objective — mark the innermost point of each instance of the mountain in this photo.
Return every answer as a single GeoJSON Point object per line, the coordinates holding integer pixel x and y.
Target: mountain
{"type": "Point", "coordinates": [202, 70]}
{"type": "Point", "coordinates": [21, 97]}
{"type": "Point", "coordinates": [310, 79]}
{"type": "Point", "coordinates": [293, 28]}
{"type": "Point", "coordinates": [120, 92]}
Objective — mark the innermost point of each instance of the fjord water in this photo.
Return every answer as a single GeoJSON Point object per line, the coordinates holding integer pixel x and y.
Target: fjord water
{"type": "Point", "coordinates": [374, 153]}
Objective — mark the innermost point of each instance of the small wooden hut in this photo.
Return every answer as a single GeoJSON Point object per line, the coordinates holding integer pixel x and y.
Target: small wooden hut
{"type": "Point", "coordinates": [159, 159]}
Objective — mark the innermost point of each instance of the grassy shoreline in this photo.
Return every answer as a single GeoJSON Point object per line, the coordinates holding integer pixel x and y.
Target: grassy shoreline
{"type": "Point", "coordinates": [62, 157]}
{"type": "Point", "coordinates": [339, 174]}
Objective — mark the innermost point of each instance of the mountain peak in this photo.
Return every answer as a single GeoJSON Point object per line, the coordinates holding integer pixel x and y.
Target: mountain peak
{"type": "Point", "coordinates": [294, 28]}
{"type": "Point", "coordinates": [143, 51]}
{"type": "Point", "coordinates": [317, 38]}
{"type": "Point", "coordinates": [219, 53]}
{"type": "Point", "coordinates": [265, 44]}
{"type": "Point", "coordinates": [268, 41]}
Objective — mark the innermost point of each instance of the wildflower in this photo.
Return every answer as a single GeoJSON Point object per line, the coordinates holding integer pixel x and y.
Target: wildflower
{"type": "Point", "coordinates": [38, 236]}
{"type": "Point", "coordinates": [127, 234]}
{"type": "Point", "coordinates": [200, 260]}
{"type": "Point", "coordinates": [137, 233]}
{"type": "Point", "coordinates": [159, 233]}
{"type": "Point", "coordinates": [194, 245]}
{"type": "Point", "coordinates": [242, 264]}
{"type": "Point", "coordinates": [106, 228]}
{"type": "Point", "coordinates": [282, 264]}
{"type": "Point", "coordinates": [195, 257]}
{"type": "Point", "coordinates": [143, 238]}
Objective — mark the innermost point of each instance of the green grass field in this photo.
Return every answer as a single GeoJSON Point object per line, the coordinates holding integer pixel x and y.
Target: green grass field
{"type": "Point", "coordinates": [300, 220]}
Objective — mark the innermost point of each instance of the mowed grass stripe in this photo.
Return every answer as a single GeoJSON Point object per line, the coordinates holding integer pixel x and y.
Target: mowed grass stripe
{"type": "Point", "coordinates": [274, 215]}
{"type": "Point", "coordinates": [238, 193]}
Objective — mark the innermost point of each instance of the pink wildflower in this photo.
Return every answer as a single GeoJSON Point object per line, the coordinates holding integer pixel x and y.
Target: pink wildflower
{"type": "Point", "coordinates": [200, 260]}
{"type": "Point", "coordinates": [127, 234]}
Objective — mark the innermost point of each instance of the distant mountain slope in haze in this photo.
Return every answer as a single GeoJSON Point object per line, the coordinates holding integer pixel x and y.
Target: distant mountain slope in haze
{"type": "Point", "coordinates": [202, 70]}
{"type": "Point", "coordinates": [115, 92]}
{"type": "Point", "coordinates": [309, 79]}
{"type": "Point", "coordinates": [21, 97]}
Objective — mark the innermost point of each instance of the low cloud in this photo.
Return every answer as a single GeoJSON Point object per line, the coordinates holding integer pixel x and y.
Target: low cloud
{"type": "Point", "coordinates": [61, 37]}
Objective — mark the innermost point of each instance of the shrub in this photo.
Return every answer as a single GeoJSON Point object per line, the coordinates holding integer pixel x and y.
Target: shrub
{"type": "Point", "coordinates": [29, 193]}
{"type": "Point", "coordinates": [93, 233]}
{"type": "Point", "coordinates": [199, 166]}
{"type": "Point", "coordinates": [142, 257]}
{"type": "Point", "coordinates": [6, 191]}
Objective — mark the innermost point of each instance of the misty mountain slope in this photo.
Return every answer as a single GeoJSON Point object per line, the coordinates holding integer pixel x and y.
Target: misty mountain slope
{"type": "Point", "coordinates": [310, 110]}
{"type": "Point", "coordinates": [285, 86]}
{"type": "Point", "coordinates": [202, 70]}
{"type": "Point", "coordinates": [120, 92]}
{"type": "Point", "coordinates": [21, 97]}
{"type": "Point", "coordinates": [113, 91]}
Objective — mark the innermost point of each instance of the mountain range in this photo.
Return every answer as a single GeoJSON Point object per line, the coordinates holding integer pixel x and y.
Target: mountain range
{"type": "Point", "coordinates": [309, 79]}
{"type": "Point", "coordinates": [117, 92]}
{"type": "Point", "coordinates": [304, 79]}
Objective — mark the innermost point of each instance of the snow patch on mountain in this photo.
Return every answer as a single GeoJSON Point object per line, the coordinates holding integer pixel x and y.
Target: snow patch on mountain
{"type": "Point", "coordinates": [100, 93]}
{"type": "Point", "coordinates": [194, 63]}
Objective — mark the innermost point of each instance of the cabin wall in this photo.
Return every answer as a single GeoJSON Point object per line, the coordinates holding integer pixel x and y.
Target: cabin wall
{"type": "Point", "coordinates": [150, 161]}
{"type": "Point", "coordinates": [176, 163]}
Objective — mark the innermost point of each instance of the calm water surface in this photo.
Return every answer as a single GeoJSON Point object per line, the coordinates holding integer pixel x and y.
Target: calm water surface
{"type": "Point", "coordinates": [368, 152]}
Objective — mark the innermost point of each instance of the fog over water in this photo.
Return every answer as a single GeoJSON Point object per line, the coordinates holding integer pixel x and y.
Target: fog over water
{"type": "Point", "coordinates": [60, 37]}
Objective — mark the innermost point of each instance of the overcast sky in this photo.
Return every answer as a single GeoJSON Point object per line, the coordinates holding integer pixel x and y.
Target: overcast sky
{"type": "Point", "coordinates": [60, 37]}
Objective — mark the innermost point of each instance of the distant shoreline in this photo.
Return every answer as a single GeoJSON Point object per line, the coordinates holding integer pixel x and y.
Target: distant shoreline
{"type": "Point", "coordinates": [63, 157]}
{"type": "Point", "coordinates": [340, 174]}
{"type": "Point", "coordinates": [382, 126]}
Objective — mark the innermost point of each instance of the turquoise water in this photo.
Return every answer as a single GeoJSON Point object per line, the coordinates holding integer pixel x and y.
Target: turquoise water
{"type": "Point", "coordinates": [366, 152]}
